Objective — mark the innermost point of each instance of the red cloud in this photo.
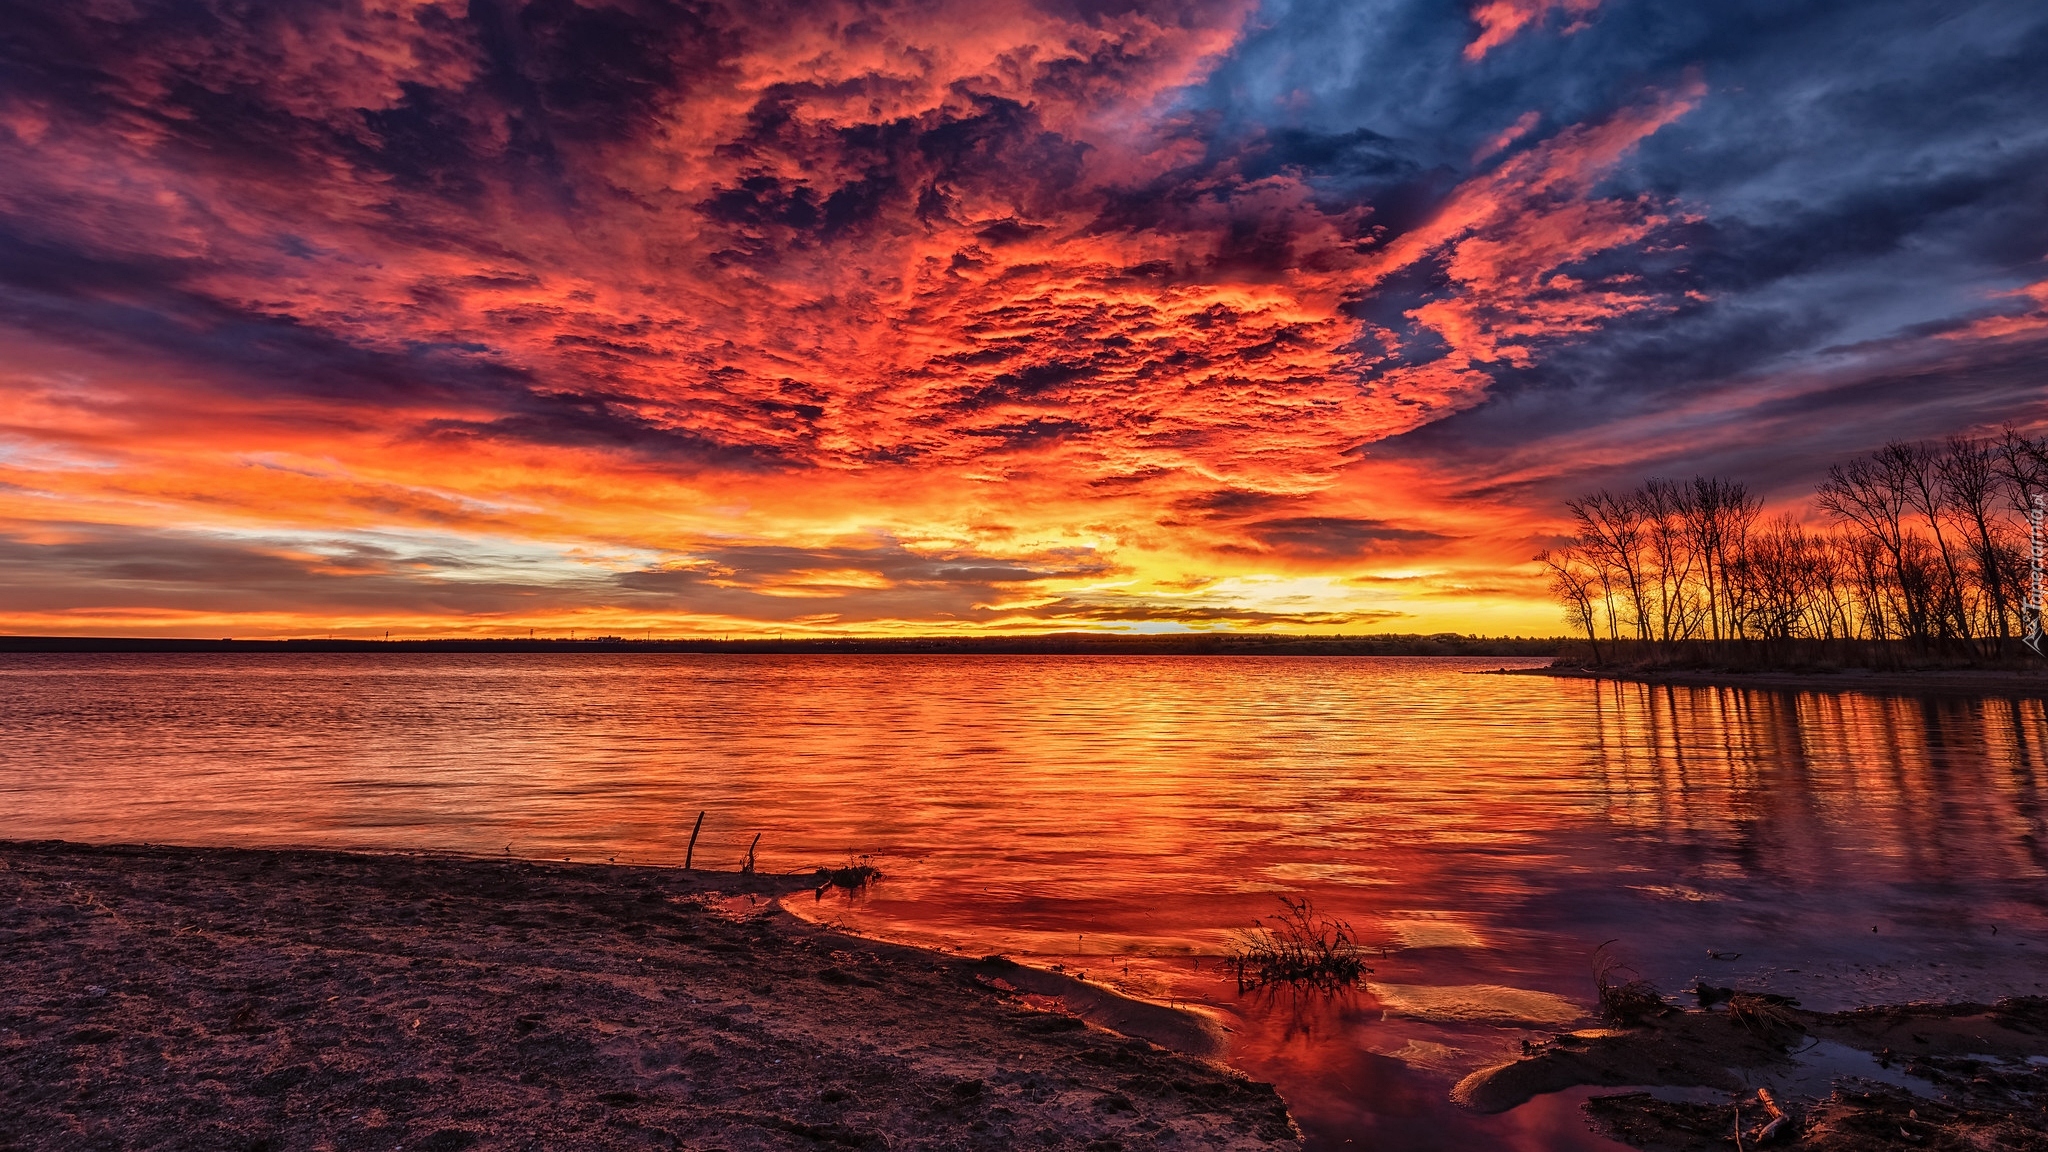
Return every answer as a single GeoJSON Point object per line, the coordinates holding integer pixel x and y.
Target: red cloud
{"type": "Point", "coordinates": [2032, 322]}
{"type": "Point", "coordinates": [964, 268]}
{"type": "Point", "coordinates": [845, 243]}
{"type": "Point", "coordinates": [1500, 20]}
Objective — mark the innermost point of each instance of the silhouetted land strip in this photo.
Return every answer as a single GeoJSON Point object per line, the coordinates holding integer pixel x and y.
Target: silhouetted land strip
{"type": "Point", "coordinates": [216, 998]}
{"type": "Point", "coordinates": [1056, 644]}
{"type": "Point", "coordinates": [1812, 665]}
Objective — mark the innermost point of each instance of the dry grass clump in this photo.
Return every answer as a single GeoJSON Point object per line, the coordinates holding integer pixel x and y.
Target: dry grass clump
{"type": "Point", "coordinates": [859, 872]}
{"type": "Point", "coordinates": [1625, 997]}
{"type": "Point", "coordinates": [1766, 1016]}
{"type": "Point", "coordinates": [1299, 946]}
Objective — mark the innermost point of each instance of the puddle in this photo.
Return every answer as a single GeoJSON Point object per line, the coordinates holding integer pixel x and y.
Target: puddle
{"type": "Point", "coordinates": [1430, 1056]}
{"type": "Point", "coordinates": [1822, 1062]}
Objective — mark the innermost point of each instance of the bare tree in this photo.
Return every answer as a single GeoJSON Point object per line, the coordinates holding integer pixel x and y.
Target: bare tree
{"type": "Point", "coordinates": [1969, 478]}
{"type": "Point", "coordinates": [1869, 494]}
{"type": "Point", "coordinates": [1787, 582]}
{"type": "Point", "coordinates": [1865, 573]}
{"type": "Point", "coordinates": [1611, 530]}
{"type": "Point", "coordinates": [1665, 506]}
{"type": "Point", "coordinates": [1718, 518]}
{"type": "Point", "coordinates": [1572, 579]}
{"type": "Point", "coordinates": [1919, 475]}
{"type": "Point", "coordinates": [2023, 464]}
{"type": "Point", "coordinates": [1922, 551]}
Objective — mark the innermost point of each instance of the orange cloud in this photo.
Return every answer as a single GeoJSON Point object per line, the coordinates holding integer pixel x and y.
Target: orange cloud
{"type": "Point", "coordinates": [1500, 20]}
{"type": "Point", "coordinates": [2032, 322]}
{"type": "Point", "coordinates": [1508, 135]}
{"type": "Point", "coordinates": [805, 318]}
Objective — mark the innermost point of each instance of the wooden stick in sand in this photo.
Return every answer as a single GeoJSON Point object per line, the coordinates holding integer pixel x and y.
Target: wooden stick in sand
{"type": "Point", "coordinates": [691, 852]}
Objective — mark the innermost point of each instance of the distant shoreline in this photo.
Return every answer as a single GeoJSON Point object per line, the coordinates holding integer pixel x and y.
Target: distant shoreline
{"type": "Point", "coordinates": [1933, 681]}
{"type": "Point", "coordinates": [1055, 644]}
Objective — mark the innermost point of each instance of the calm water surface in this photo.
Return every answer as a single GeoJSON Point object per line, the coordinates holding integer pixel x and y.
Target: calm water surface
{"type": "Point", "coordinates": [1123, 816]}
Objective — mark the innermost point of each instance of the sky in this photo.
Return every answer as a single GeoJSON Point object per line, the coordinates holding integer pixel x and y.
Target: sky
{"type": "Point", "coordinates": [640, 317]}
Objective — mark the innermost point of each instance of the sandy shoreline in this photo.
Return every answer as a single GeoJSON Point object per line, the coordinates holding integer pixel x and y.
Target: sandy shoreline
{"type": "Point", "coordinates": [2019, 685]}
{"type": "Point", "coordinates": [218, 998]}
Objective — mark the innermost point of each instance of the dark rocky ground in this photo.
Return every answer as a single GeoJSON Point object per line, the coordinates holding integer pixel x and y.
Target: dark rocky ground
{"type": "Point", "coordinates": [1968, 1076]}
{"type": "Point", "coordinates": [168, 998]}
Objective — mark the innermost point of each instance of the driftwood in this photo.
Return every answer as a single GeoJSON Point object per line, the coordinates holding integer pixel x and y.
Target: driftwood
{"type": "Point", "coordinates": [691, 852]}
{"type": "Point", "coordinates": [1779, 1123]}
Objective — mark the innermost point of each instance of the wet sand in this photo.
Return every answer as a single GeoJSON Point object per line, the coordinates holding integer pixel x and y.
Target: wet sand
{"type": "Point", "coordinates": [239, 999]}
{"type": "Point", "coordinates": [1943, 682]}
{"type": "Point", "coordinates": [1955, 1076]}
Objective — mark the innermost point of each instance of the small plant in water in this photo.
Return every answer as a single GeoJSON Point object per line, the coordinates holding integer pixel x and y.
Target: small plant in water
{"type": "Point", "coordinates": [859, 872]}
{"type": "Point", "coordinates": [1625, 997]}
{"type": "Point", "coordinates": [1298, 945]}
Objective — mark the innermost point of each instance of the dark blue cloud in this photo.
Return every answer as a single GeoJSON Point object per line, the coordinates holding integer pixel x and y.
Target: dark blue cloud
{"type": "Point", "coordinates": [1857, 174]}
{"type": "Point", "coordinates": [1788, 77]}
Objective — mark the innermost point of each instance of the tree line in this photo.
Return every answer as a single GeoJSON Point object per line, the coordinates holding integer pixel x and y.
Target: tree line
{"type": "Point", "coordinates": [1923, 546]}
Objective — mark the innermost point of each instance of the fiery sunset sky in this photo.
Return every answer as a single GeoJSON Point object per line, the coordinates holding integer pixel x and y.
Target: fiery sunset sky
{"type": "Point", "coordinates": [474, 316]}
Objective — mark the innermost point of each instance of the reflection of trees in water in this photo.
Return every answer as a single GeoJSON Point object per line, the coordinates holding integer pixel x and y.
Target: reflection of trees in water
{"type": "Point", "coordinates": [1935, 787]}
{"type": "Point", "coordinates": [2026, 737]}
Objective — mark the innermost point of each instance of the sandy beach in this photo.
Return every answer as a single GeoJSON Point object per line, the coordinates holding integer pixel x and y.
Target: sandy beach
{"type": "Point", "coordinates": [242, 999]}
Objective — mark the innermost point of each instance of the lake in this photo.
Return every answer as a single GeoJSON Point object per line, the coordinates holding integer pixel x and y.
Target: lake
{"type": "Point", "coordinates": [1126, 816]}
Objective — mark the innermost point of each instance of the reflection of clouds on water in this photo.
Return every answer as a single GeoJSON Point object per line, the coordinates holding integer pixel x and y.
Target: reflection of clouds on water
{"type": "Point", "coordinates": [1325, 872]}
{"type": "Point", "coordinates": [1676, 892]}
{"type": "Point", "coordinates": [1426, 1054]}
{"type": "Point", "coordinates": [1476, 1003]}
{"type": "Point", "coordinates": [1431, 930]}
